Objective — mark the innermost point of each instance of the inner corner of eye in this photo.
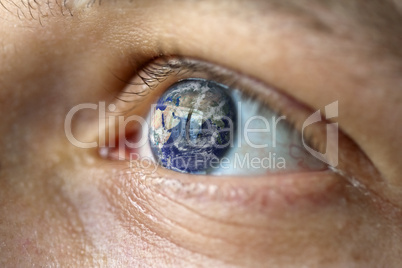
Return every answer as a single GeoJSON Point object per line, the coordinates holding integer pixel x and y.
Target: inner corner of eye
{"type": "Point", "coordinates": [123, 137]}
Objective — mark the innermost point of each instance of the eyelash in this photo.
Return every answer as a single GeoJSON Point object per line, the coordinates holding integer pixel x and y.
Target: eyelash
{"type": "Point", "coordinates": [152, 74]}
{"type": "Point", "coordinates": [150, 77]}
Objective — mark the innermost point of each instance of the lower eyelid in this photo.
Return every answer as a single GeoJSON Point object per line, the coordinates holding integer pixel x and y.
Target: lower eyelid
{"type": "Point", "coordinates": [221, 199]}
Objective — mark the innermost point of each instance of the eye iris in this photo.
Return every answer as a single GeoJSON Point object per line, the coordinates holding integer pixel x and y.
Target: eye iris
{"type": "Point", "coordinates": [192, 125]}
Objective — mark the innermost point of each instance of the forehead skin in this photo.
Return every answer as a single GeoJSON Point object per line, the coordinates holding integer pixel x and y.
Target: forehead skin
{"type": "Point", "coordinates": [54, 205]}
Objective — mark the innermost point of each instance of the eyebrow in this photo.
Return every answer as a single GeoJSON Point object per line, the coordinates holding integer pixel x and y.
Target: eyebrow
{"type": "Point", "coordinates": [294, 7]}
{"type": "Point", "coordinates": [328, 16]}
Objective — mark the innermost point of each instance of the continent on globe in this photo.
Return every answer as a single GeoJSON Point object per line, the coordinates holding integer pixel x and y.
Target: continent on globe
{"type": "Point", "coordinates": [193, 124]}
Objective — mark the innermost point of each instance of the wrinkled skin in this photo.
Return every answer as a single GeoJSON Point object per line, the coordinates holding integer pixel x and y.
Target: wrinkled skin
{"type": "Point", "coordinates": [65, 206]}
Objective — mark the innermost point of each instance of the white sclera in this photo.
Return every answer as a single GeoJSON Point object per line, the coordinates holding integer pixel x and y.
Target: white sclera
{"type": "Point", "coordinates": [279, 147]}
{"type": "Point", "coordinates": [269, 145]}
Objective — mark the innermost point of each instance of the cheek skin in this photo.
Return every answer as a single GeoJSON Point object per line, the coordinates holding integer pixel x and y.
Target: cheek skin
{"type": "Point", "coordinates": [219, 221]}
{"type": "Point", "coordinates": [39, 224]}
{"type": "Point", "coordinates": [109, 216]}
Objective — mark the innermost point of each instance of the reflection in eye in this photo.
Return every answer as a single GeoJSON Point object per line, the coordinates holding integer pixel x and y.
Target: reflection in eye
{"type": "Point", "coordinates": [192, 126]}
{"type": "Point", "coordinates": [202, 127]}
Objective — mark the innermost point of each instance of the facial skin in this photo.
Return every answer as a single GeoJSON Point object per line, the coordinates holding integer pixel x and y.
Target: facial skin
{"type": "Point", "coordinates": [66, 206]}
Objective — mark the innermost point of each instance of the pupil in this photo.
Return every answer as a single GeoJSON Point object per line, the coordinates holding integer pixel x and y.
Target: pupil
{"type": "Point", "coordinates": [192, 126]}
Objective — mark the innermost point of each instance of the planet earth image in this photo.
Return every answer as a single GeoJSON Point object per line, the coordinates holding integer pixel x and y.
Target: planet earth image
{"type": "Point", "coordinates": [192, 126]}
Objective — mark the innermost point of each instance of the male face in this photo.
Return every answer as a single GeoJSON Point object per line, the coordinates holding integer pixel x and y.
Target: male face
{"type": "Point", "coordinates": [62, 205]}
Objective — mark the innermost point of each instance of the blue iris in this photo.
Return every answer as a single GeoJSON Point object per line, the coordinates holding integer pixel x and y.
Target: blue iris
{"type": "Point", "coordinates": [192, 126]}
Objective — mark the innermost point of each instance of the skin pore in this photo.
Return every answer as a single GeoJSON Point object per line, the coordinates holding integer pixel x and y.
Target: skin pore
{"type": "Point", "coordinates": [66, 206]}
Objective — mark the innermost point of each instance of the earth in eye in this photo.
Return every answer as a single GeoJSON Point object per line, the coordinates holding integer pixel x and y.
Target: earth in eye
{"type": "Point", "coordinates": [193, 126]}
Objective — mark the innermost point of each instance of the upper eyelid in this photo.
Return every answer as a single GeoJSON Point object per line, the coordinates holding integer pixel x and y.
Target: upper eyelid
{"type": "Point", "coordinates": [158, 70]}
{"type": "Point", "coordinates": [153, 74]}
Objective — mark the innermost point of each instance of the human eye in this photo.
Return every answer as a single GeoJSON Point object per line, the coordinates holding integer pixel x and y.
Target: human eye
{"type": "Point", "coordinates": [200, 118]}
{"type": "Point", "coordinates": [213, 209]}
{"type": "Point", "coordinates": [140, 177]}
